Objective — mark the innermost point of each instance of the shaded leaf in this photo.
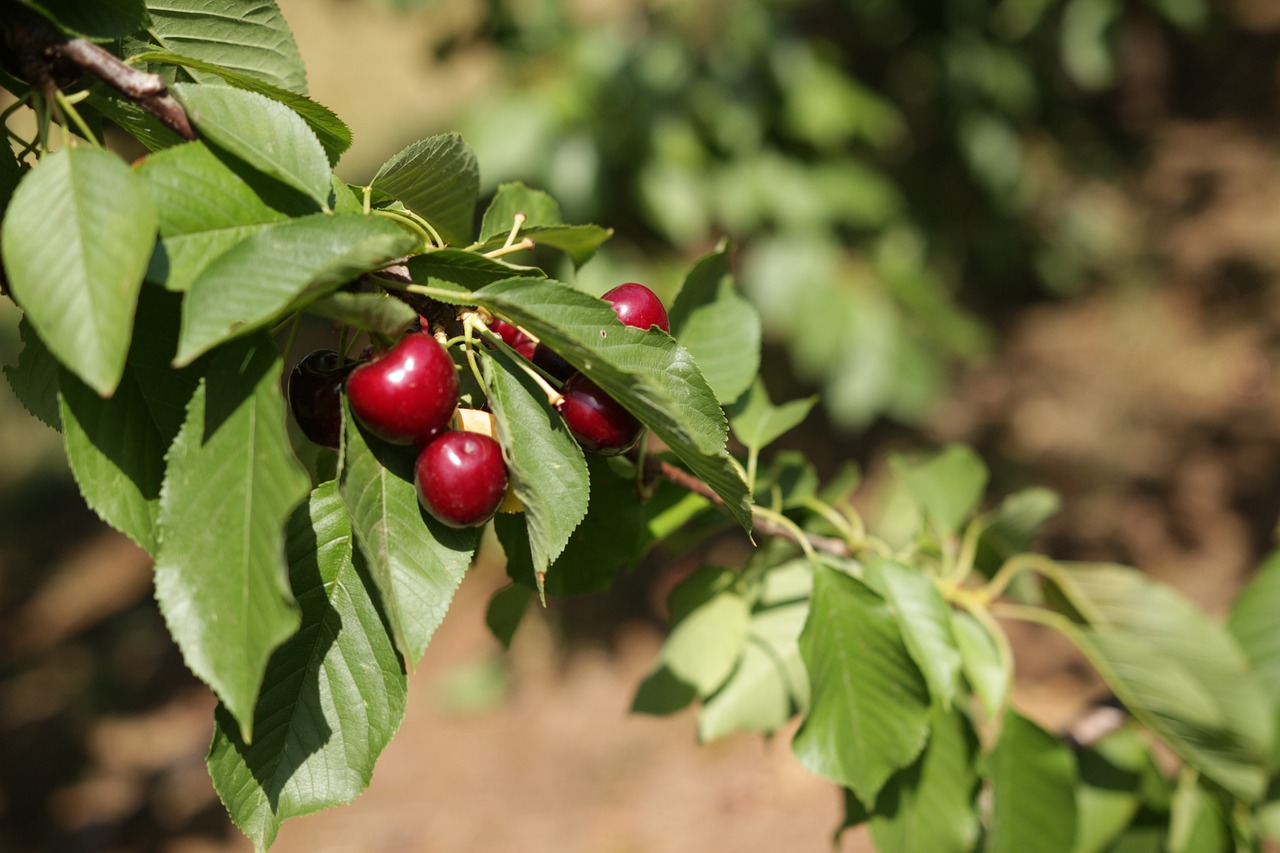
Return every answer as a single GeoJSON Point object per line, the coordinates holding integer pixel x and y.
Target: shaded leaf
{"type": "Point", "coordinates": [338, 688]}
{"type": "Point", "coordinates": [980, 659]}
{"type": "Point", "coordinates": [925, 620]}
{"type": "Point", "coordinates": [758, 423]}
{"type": "Point", "coordinates": [101, 20]}
{"type": "Point", "coordinates": [454, 269]}
{"type": "Point", "coordinates": [1253, 624]}
{"type": "Point", "coordinates": [231, 484]}
{"type": "Point", "coordinates": [662, 693]}
{"type": "Point", "coordinates": [720, 328]}
{"type": "Point", "coordinates": [372, 312]}
{"type": "Point", "coordinates": [506, 609]}
{"type": "Point", "coordinates": [34, 379]}
{"type": "Point", "coordinates": [1111, 771]}
{"type": "Point", "coordinates": [76, 240]}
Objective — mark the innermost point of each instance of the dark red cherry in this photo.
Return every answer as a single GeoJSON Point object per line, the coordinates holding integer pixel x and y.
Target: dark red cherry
{"type": "Point", "coordinates": [461, 478]}
{"type": "Point", "coordinates": [550, 361]}
{"type": "Point", "coordinates": [315, 395]}
{"type": "Point", "coordinates": [513, 337]}
{"type": "Point", "coordinates": [637, 305]}
{"type": "Point", "coordinates": [597, 420]}
{"type": "Point", "coordinates": [408, 394]}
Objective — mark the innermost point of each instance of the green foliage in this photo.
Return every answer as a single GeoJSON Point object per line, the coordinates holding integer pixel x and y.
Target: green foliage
{"type": "Point", "coordinates": [160, 304]}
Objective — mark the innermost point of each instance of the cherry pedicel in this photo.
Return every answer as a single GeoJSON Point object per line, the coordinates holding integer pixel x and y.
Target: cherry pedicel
{"type": "Point", "coordinates": [637, 305]}
{"type": "Point", "coordinates": [597, 420]}
{"type": "Point", "coordinates": [315, 395]}
{"type": "Point", "coordinates": [408, 394]}
{"type": "Point", "coordinates": [461, 478]}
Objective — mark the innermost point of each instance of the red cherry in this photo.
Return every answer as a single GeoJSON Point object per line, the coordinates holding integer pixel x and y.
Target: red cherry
{"type": "Point", "coordinates": [513, 337]}
{"type": "Point", "coordinates": [408, 394]}
{"type": "Point", "coordinates": [550, 361]}
{"type": "Point", "coordinates": [315, 395]}
{"type": "Point", "coordinates": [637, 305]}
{"type": "Point", "coordinates": [461, 478]}
{"type": "Point", "coordinates": [597, 420]}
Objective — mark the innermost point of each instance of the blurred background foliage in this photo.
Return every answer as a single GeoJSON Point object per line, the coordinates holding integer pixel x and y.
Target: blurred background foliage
{"type": "Point", "coordinates": [898, 175]}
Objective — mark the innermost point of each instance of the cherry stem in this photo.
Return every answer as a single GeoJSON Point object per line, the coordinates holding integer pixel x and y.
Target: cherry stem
{"type": "Point", "coordinates": [67, 106]}
{"type": "Point", "coordinates": [519, 220]}
{"type": "Point", "coordinates": [526, 243]}
{"type": "Point", "coordinates": [554, 397]}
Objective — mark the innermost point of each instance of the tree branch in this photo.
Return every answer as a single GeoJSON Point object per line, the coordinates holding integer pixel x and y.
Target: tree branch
{"type": "Point", "coordinates": [146, 90]}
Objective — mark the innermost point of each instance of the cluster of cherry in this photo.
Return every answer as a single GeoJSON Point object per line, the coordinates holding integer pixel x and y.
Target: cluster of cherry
{"type": "Point", "coordinates": [408, 395]}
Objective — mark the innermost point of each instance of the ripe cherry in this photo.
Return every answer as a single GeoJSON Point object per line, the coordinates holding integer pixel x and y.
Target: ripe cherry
{"type": "Point", "coordinates": [461, 478]}
{"type": "Point", "coordinates": [637, 305]}
{"type": "Point", "coordinates": [513, 337]}
{"type": "Point", "coordinates": [408, 394]}
{"type": "Point", "coordinates": [597, 420]}
{"type": "Point", "coordinates": [550, 361]}
{"type": "Point", "coordinates": [315, 395]}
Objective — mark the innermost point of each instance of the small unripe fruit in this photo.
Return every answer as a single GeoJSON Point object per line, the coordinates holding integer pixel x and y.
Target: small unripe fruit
{"type": "Point", "coordinates": [597, 421]}
{"type": "Point", "coordinates": [408, 394]}
{"type": "Point", "coordinates": [461, 478]}
{"type": "Point", "coordinates": [638, 306]}
{"type": "Point", "coordinates": [315, 395]}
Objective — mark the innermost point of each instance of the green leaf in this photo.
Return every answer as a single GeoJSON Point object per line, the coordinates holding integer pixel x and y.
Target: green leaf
{"type": "Point", "coordinates": [264, 133]}
{"type": "Point", "coordinates": [438, 179]}
{"type": "Point", "coordinates": [618, 530]}
{"type": "Point", "coordinates": [720, 328]}
{"type": "Point", "coordinates": [1011, 527]}
{"type": "Point", "coordinates": [231, 484]}
{"type": "Point", "coordinates": [510, 199]}
{"type": "Point", "coordinates": [76, 240]}
{"type": "Point", "coordinates": [204, 209]}
{"type": "Point", "coordinates": [1253, 625]}
{"type": "Point", "coordinates": [372, 312]}
{"type": "Point", "coordinates": [579, 242]}
{"type": "Point", "coordinates": [1111, 771]}
{"type": "Point", "coordinates": [758, 423]}
{"type": "Point", "coordinates": [662, 693]}
{"type": "Point", "coordinates": [1196, 822]}
{"type": "Point", "coordinates": [769, 683]}
{"type": "Point", "coordinates": [980, 659]}
{"type": "Point", "coordinates": [416, 562]}
{"type": "Point", "coordinates": [116, 447]}
{"type": "Point", "coordinates": [330, 130]}
{"type": "Point", "coordinates": [281, 269]}
{"type": "Point", "coordinates": [646, 371]}
{"type": "Point", "coordinates": [710, 621]}
{"type": "Point", "coordinates": [505, 610]}
{"type": "Point", "coordinates": [946, 485]}
{"type": "Point", "coordinates": [454, 269]}
{"type": "Point", "coordinates": [869, 711]}
{"type": "Point", "coordinates": [34, 379]}
{"type": "Point", "coordinates": [547, 468]}
{"type": "Point", "coordinates": [248, 36]}
{"type": "Point", "coordinates": [930, 805]}
{"type": "Point", "coordinates": [338, 689]}
{"type": "Point", "coordinates": [101, 20]}
{"type": "Point", "coordinates": [133, 119]}
{"type": "Point", "coordinates": [925, 620]}
{"type": "Point", "coordinates": [1033, 779]}
{"type": "Point", "coordinates": [1175, 670]}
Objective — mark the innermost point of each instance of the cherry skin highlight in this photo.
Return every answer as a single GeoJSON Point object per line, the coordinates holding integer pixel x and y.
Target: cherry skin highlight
{"type": "Point", "coordinates": [408, 394]}
{"type": "Point", "coordinates": [315, 395]}
{"type": "Point", "coordinates": [637, 305]}
{"type": "Point", "coordinates": [597, 421]}
{"type": "Point", "coordinates": [461, 478]}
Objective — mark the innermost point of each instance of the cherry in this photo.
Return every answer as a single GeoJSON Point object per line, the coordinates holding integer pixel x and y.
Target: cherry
{"type": "Point", "coordinates": [408, 394]}
{"type": "Point", "coordinates": [315, 395]}
{"type": "Point", "coordinates": [513, 337]}
{"type": "Point", "coordinates": [637, 305]}
{"type": "Point", "coordinates": [597, 420]}
{"type": "Point", "coordinates": [461, 478]}
{"type": "Point", "coordinates": [550, 361]}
